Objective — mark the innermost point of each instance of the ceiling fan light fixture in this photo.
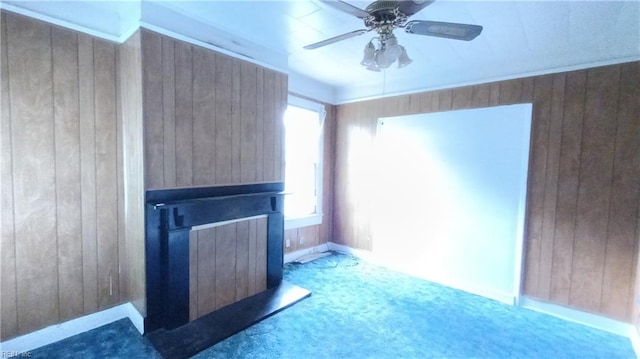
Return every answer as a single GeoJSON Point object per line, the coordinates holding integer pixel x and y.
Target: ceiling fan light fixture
{"type": "Point", "coordinates": [392, 48]}
{"type": "Point", "coordinates": [384, 58]}
{"type": "Point", "coordinates": [373, 67]}
{"type": "Point", "coordinates": [369, 57]}
{"type": "Point", "coordinates": [403, 59]}
{"type": "Point", "coordinates": [384, 16]}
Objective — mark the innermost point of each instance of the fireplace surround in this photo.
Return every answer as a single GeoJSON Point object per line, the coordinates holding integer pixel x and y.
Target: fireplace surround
{"type": "Point", "coordinates": [169, 217]}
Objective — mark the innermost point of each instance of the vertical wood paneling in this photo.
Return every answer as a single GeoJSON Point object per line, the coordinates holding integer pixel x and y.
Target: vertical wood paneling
{"type": "Point", "coordinates": [536, 182]}
{"type": "Point", "coordinates": [206, 268]}
{"type": "Point", "coordinates": [435, 101]}
{"type": "Point", "coordinates": [510, 92]}
{"type": "Point", "coordinates": [253, 250]}
{"type": "Point", "coordinates": [60, 176]}
{"type": "Point", "coordinates": [152, 103]}
{"type": "Point", "coordinates": [8, 295]}
{"type": "Point", "coordinates": [414, 103]}
{"type": "Point", "coordinates": [236, 124]}
{"type": "Point", "coordinates": [290, 236]}
{"type": "Point", "coordinates": [623, 211]}
{"type": "Point", "coordinates": [481, 94]}
{"type": "Point", "coordinates": [204, 126]}
{"type": "Point", "coordinates": [582, 204]}
{"type": "Point", "coordinates": [281, 106]}
{"type": "Point", "coordinates": [123, 262]}
{"type": "Point", "coordinates": [225, 270]}
{"type": "Point", "coordinates": [242, 260]}
{"type": "Point", "coordinates": [184, 114]}
{"type": "Point", "coordinates": [33, 141]}
{"type": "Point", "coordinates": [211, 120]}
{"type": "Point", "coordinates": [461, 98]}
{"type": "Point", "coordinates": [224, 127]}
{"type": "Point", "coordinates": [494, 94]}
{"type": "Point", "coordinates": [551, 185]}
{"type": "Point", "coordinates": [68, 195]}
{"type": "Point", "coordinates": [280, 103]}
{"type": "Point", "coordinates": [106, 174]}
{"type": "Point", "coordinates": [261, 254]}
{"type": "Point", "coordinates": [260, 125]}
{"type": "Point", "coordinates": [168, 112]}
{"type": "Point", "coordinates": [568, 180]}
{"type": "Point", "coordinates": [131, 102]}
{"type": "Point", "coordinates": [181, 148]}
{"type": "Point", "coordinates": [598, 138]}
{"type": "Point", "coordinates": [248, 133]}
{"type": "Point", "coordinates": [445, 100]}
{"type": "Point", "coordinates": [527, 89]}
{"type": "Point", "coordinates": [303, 237]}
{"type": "Point", "coordinates": [341, 230]}
{"type": "Point", "coordinates": [87, 173]}
{"type": "Point", "coordinates": [229, 264]}
{"type": "Point", "coordinates": [269, 124]}
{"type": "Point", "coordinates": [329, 145]}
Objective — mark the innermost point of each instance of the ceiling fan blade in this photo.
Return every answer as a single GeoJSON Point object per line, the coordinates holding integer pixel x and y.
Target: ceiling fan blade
{"type": "Point", "coordinates": [443, 29]}
{"type": "Point", "coordinates": [410, 7]}
{"type": "Point", "coordinates": [346, 7]}
{"type": "Point", "coordinates": [336, 39]}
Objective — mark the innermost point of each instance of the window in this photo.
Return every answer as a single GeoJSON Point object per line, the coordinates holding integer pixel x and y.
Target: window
{"type": "Point", "coordinates": [303, 163]}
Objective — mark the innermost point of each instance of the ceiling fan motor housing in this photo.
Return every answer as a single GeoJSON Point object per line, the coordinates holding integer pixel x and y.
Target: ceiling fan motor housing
{"type": "Point", "coordinates": [384, 15]}
{"type": "Point", "coordinates": [379, 6]}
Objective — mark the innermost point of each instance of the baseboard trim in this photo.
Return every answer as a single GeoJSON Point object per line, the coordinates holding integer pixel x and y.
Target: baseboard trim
{"type": "Point", "coordinates": [634, 336]}
{"type": "Point", "coordinates": [360, 253]}
{"type": "Point", "coordinates": [72, 327]}
{"type": "Point", "coordinates": [578, 316]}
{"type": "Point", "coordinates": [293, 256]}
{"type": "Point", "coordinates": [506, 298]}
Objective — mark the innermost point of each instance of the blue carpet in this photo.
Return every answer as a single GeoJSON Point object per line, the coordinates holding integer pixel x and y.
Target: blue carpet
{"type": "Point", "coordinates": [358, 310]}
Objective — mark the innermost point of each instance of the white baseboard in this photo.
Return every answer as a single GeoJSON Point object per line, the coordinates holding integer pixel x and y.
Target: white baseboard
{"type": "Point", "coordinates": [72, 327]}
{"type": "Point", "coordinates": [578, 316]}
{"type": "Point", "coordinates": [634, 336]}
{"type": "Point", "coordinates": [368, 256]}
{"type": "Point", "coordinates": [360, 253]}
{"type": "Point", "coordinates": [293, 256]}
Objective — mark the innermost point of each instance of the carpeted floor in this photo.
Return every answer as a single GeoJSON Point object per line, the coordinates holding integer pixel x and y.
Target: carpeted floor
{"type": "Point", "coordinates": [359, 310]}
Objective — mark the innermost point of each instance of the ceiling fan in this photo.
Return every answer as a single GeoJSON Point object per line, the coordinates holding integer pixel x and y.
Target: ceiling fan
{"type": "Point", "coordinates": [385, 16]}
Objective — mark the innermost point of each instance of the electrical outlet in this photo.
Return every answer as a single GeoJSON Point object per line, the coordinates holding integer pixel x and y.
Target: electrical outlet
{"type": "Point", "coordinates": [287, 243]}
{"type": "Point", "coordinates": [301, 240]}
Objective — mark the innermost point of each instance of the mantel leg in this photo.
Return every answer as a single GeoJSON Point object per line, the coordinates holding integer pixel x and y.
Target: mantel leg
{"type": "Point", "coordinates": [177, 296]}
{"type": "Point", "coordinates": [275, 252]}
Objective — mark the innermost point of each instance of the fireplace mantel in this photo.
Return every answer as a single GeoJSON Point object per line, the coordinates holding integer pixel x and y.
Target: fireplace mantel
{"type": "Point", "coordinates": [171, 215]}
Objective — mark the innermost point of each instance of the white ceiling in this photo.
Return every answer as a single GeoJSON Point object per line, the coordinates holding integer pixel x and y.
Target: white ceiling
{"type": "Point", "coordinates": [519, 38]}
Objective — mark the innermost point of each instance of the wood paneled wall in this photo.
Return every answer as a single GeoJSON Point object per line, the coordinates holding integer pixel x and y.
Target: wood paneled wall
{"type": "Point", "coordinates": [227, 263]}
{"type": "Point", "coordinates": [132, 258]}
{"type": "Point", "coordinates": [209, 119]}
{"type": "Point", "coordinates": [303, 237]}
{"type": "Point", "coordinates": [61, 176]}
{"type": "Point", "coordinates": [583, 187]}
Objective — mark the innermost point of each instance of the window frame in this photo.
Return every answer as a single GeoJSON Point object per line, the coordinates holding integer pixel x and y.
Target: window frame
{"type": "Point", "coordinates": [315, 218]}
